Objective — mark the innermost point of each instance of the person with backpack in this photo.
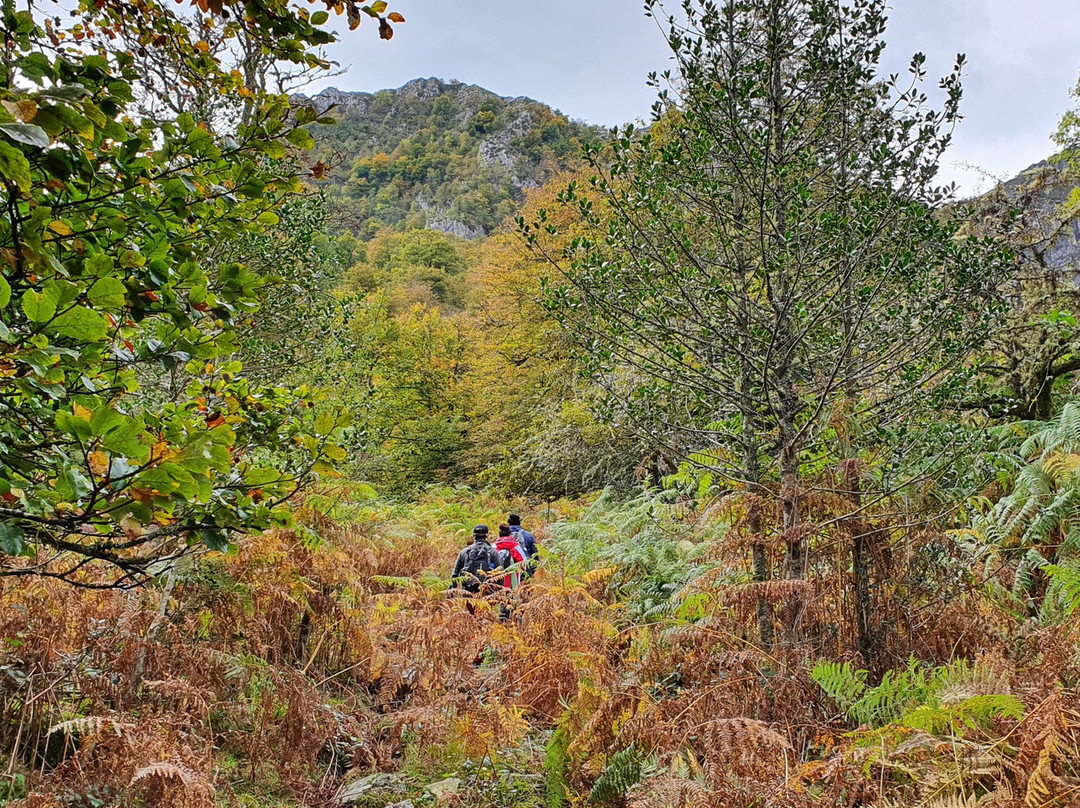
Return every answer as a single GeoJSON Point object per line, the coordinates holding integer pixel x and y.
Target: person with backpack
{"type": "Point", "coordinates": [525, 540]}
{"type": "Point", "coordinates": [510, 553]}
{"type": "Point", "coordinates": [476, 561]}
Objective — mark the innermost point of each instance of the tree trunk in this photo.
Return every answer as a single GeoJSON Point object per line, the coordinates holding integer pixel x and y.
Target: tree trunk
{"type": "Point", "coordinates": [861, 563]}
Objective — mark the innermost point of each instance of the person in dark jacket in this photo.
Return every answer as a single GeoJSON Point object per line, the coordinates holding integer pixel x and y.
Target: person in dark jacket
{"type": "Point", "coordinates": [526, 541]}
{"type": "Point", "coordinates": [476, 560]}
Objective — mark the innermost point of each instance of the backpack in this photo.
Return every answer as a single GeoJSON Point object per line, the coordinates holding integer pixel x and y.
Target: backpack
{"type": "Point", "coordinates": [505, 559]}
{"type": "Point", "coordinates": [476, 563]}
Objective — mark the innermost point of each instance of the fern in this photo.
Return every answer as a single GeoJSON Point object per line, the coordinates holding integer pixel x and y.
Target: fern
{"type": "Point", "coordinates": [976, 712]}
{"type": "Point", "coordinates": [1064, 587]}
{"type": "Point", "coordinates": [165, 771]}
{"type": "Point", "coordinates": [90, 725]}
{"type": "Point", "coordinates": [556, 764]}
{"type": "Point", "coordinates": [841, 683]}
{"type": "Point", "coordinates": [627, 768]}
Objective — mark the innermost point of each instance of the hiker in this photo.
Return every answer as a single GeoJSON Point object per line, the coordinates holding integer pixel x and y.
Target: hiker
{"type": "Point", "coordinates": [526, 540]}
{"type": "Point", "coordinates": [476, 561]}
{"type": "Point", "coordinates": [510, 553]}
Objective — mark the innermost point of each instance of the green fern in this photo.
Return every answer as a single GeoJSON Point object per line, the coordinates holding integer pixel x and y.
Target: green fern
{"type": "Point", "coordinates": [1064, 587]}
{"type": "Point", "coordinates": [556, 765]}
{"type": "Point", "coordinates": [976, 712]}
{"type": "Point", "coordinates": [842, 683]}
{"type": "Point", "coordinates": [626, 769]}
{"type": "Point", "coordinates": [913, 697]}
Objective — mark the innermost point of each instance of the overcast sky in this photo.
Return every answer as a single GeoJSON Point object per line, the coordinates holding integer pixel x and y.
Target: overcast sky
{"type": "Point", "coordinates": [590, 59]}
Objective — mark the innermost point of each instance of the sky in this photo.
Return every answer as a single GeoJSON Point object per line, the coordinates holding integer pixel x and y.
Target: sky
{"type": "Point", "coordinates": [590, 60]}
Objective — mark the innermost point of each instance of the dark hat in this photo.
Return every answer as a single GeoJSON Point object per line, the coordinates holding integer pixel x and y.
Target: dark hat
{"type": "Point", "coordinates": [480, 530]}
{"type": "Point", "coordinates": [513, 519]}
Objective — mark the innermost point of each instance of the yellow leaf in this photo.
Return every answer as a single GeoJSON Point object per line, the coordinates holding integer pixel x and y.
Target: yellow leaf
{"type": "Point", "coordinates": [203, 45]}
{"type": "Point", "coordinates": [99, 463]}
{"type": "Point", "coordinates": [27, 110]}
{"type": "Point", "coordinates": [59, 227]}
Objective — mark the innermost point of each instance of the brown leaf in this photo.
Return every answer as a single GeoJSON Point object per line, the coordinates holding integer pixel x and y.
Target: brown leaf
{"type": "Point", "coordinates": [394, 16]}
{"type": "Point", "coordinates": [354, 16]}
{"type": "Point", "coordinates": [385, 29]}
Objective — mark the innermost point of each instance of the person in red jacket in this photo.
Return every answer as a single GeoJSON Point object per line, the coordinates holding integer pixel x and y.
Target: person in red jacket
{"type": "Point", "coordinates": [510, 553]}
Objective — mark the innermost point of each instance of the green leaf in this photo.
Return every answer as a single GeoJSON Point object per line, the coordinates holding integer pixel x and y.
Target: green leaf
{"type": "Point", "coordinates": [5, 292]}
{"type": "Point", "coordinates": [72, 485]}
{"type": "Point", "coordinates": [301, 138]}
{"type": "Point", "coordinates": [26, 133]}
{"type": "Point", "coordinates": [379, 6]}
{"type": "Point", "coordinates": [324, 423]}
{"type": "Point", "coordinates": [214, 540]}
{"type": "Point", "coordinates": [73, 425]}
{"type": "Point", "coordinates": [319, 18]}
{"type": "Point", "coordinates": [82, 324]}
{"type": "Point", "coordinates": [11, 539]}
{"type": "Point", "coordinates": [14, 166]}
{"type": "Point", "coordinates": [272, 148]}
{"type": "Point", "coordinates": [40, 307]}
{"type": "Point", "coordinates": [107, 293]}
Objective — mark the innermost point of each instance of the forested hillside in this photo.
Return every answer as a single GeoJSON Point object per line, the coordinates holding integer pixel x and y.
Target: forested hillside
{"type": "Point", "coordinates": [795, 428]}
{"type": "Point", "coordinates": [443, 155]}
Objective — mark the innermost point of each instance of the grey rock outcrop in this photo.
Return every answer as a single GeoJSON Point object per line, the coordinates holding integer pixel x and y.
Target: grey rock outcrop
{"type": "Point", "coordinates": [1034, 205]}
{"type": "Point", "coordinates": [454, 228]}
{"type": "Point", "coordinates": [497, 151]}
{"type": "Point", "coordinates": [374, 787]}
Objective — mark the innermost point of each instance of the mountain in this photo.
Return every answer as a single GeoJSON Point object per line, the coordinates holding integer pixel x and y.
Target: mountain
{"type": "Point", "coordinates": [438, 154]}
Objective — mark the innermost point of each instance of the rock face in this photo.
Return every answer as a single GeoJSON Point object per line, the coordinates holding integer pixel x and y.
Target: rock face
{"type": "Point", "coordinates": [1041, 192]}
{"type": "Point", "coordinates": [455, 228]}
{"type": "Point", "coordinates": [439, 154]}
{"type": "Point", "coordinates": [1033, 211]}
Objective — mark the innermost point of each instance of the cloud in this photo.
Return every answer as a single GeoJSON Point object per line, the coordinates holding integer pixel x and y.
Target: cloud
{"type": "Point", "coordinates": [590, 59]}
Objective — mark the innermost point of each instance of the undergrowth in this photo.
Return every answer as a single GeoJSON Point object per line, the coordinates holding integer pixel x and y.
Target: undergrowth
{"type": "Point", "coordinates": [629, 673]}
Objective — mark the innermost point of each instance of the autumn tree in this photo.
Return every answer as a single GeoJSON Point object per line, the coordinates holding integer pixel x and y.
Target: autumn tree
{"type": "Point", "coordinates": [532, 427]}
{"type": "Point", "coordinates": [113, 277]}
{"type": "Point", "coordinates": [766, 262]}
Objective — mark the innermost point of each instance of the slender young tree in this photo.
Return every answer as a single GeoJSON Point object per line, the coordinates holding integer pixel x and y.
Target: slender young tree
{"type": "Point", "coordinates": [767, 256]}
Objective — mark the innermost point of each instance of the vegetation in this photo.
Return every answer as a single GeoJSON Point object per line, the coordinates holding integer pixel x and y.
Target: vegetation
{"type": "Point", "coordinates": [446, 155]}
{"type": "Point", "coordinates": [795, 430]}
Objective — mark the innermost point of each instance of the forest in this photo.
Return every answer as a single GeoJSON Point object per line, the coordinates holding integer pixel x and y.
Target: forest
{"type": "Point", "coordinates": [795, 424]}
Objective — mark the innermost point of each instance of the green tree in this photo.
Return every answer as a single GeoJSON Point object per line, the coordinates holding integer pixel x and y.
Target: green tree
{"type": "Point", "coordinates": [766, 266]}
{"type": "Point", "coordinates": [128, 432]}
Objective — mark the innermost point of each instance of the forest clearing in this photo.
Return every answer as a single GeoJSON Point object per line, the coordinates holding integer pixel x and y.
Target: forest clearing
{"type": "Point", "coordinates": [794, 420]}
